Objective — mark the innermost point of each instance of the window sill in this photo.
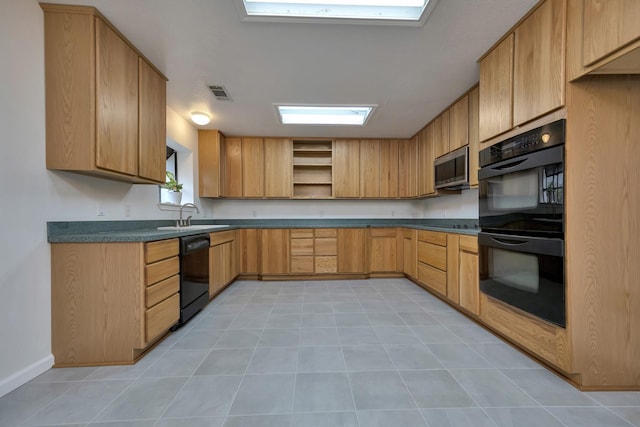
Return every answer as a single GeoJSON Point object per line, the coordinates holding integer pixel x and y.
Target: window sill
{"type": "Point", "coordinates": [172, 207]}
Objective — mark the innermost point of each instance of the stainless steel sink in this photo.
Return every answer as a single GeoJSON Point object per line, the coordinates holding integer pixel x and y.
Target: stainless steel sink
{"type": "Point", "coordinates": [192, 227]}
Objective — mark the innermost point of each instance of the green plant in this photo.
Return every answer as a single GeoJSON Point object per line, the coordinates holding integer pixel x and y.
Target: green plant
{"type": "Point", "coordinates": [172, 184]}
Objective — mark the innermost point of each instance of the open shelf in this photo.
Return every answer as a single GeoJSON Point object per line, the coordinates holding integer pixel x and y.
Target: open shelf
{"type": "Point", "coordinates": [312, 191]}
{"type": "Point", "coordinates": [312, 169]}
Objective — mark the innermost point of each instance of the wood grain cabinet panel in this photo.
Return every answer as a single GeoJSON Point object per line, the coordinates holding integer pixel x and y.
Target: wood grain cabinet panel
{"type": "Point", "coordinates": [474, 137]}
{"type": "Point", "coordinates": [425, 161]}
{"type": "Point", "coordinates": [433, 278]}
{"type": "Point", "coordinates": [232, 168]}
{"type": "Point", "coordinates": [162, 290]}
{"type": "Point", "coordinates": [153, 123]}
{"type": "Point", "coordinates": [539, 62]}
{"type": "Point", "coordinates": [302, 247]}
{"type": "Point", "coordinates": [253, 167]}
{"type": "Point", "coordinates": [469, 281]}
{"type": "Point", "coordinates": [608, 26]}
{"type": "Point", "coordinates": [161, 270]}
{"type": "Point", "coordinates": [210, 152]}
{"type": "Point", "coordinates": [408, 168]}
{"type": "Point", "coordinates": [346, 168]}
{"type": "Point", "coordinates": [274, 251]}
{"type": "Point", "coordinates": [409, 258]}
{"type": "Point", "coordinates": [459, 124]}
{"type": "Point", "coordinates": [278, 167]}
{"type": "Point", "coordinates": [326, 264]}
{"type": "Point", "coordinates": [441, 134]}
{"type": "Point", "coordinates": [162, 249]}
{"type": "Point", "coordinates": [453, 269]}
{"type": "Point", "coordinates": [496, 90]}
{"type": "Point", "coordinates": [352, 250]}
{"type": "Point", "coordinates": [248, 251]}
{"type": "Point", "coordinates": [389, 170]}
{"type": "Point", "coordinates": [383, 253]}
{"type": "Point", "coordinates": [369, 168]}
{"type": "Point", "coordinates": [162, 316]}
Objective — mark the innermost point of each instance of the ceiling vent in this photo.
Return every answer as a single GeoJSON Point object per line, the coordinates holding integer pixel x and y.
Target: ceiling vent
{"type": "Point", "coordinates": [220, 93]}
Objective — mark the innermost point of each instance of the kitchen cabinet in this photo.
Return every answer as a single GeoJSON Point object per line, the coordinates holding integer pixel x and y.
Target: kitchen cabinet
{"type": "Point", "coordinates": [352, 250]}
{"type": "Point", "coordinates": [539, 59]}
{"type": "Point", "coordinates": [252, 154]}
{"type": "Point", "coordinates": [313, 169]}
{"type": "Point", "coordinates": [223, 260]}
{"type": "Point", "coordinates": [302, 251]}
{"type": "Point", "coordinates": [409, 259]}
{"type": "Point", "coordinates": [111, 301]}
{"type": "Point", "coordinates": [346, 168]}
{"type": "Point", "coordinates": [408, 167]}
{"type": "Point", "coordinates": [278, 167]}
{"type": "Point", "coordinates": [459, 124]}
{"type": "Point", "coordinates": [440, 134]}
{"type": "Point", "coordinates": [232, 175]}
{"type": "Point", "coordinates": [314, 251]}
{"type": "Point", "coordinates": [474, 137]}
{"type": "Point", "coordinates": [210, 151]}
{"type": "Point", "coordinates": [249, 238]}
{"type": "Point", "coordinates": [608, 26]}
{"type": "Point", "coordinates": [425, 161]}
{"type": "Point", "coordinates": [453, 270]}
{"type": "Point", "coordinates": [383, 250]}
{"type": "Point", "coordinates": [369, 168]}
{"type": "Point", "coordinates": [468, 274]}
{"type": "Point", "coordinates": [496, 90]}
{"type": "Point", "coordinates": [432, 260]}
{"type": "Point", "coordinates": [389, 170]}
{"type": "Point", "coordinates": [105, 103]}
{"type": "Point", "coordinates": [274, 251]}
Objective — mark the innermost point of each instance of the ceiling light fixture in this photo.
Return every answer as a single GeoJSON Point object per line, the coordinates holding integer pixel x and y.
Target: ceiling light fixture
{"type": "Point", "coordinates": [324, 115]}
{"type": "Point", "coordinates": [318, 10]}
{"type": "Point", "coordinates": [200, 118]}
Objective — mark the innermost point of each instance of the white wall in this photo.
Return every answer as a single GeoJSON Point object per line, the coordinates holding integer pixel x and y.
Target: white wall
{"type": "Point", "coordinates": [34, 195]}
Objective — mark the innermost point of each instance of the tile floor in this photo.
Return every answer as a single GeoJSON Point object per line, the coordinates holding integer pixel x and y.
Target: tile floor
{"type": "Point", "coordinates": [367, 353]}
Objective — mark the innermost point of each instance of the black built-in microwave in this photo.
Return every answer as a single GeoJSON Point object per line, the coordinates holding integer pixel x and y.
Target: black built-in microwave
{"type": "Point", "coordinates": [452, 170]}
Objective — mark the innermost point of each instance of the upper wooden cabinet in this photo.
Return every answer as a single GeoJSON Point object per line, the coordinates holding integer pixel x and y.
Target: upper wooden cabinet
{"type": "Point", "coordinates": [232, 175]}
{"type": "Point", "coordinates": [440, 134]}
{"type": "Point", "coordinates": [408, 167]}
{"type": "Point", "coordinates": [389, 171]}
{"type": "Point", "coordinates": [496, 90]}
{"type": "Point", "coordinates": [312, 169]}
{"type": "Point", "coordinates": [252, 167]}
{"type": "Point", "coordinates": [539, 58]}
{"type": "Point", "coordinates": [608, 26]}
{"type": "Point", "coordinates": [98, 86]}
{"type": "Point", "coordinates": [474, 138]}
{"type": "Point", "coordinates": [370, 168]}
{"type": "Point", "coordinates": [346, 168]}
{"type": "Point", "coordinates": [210, 146]}
{"type": "Point", "coordinates": [459, 124]}
{"type": "Point", "coordinates": [425, 160]}
{"type": "Point", "coordinates": [278, 165]}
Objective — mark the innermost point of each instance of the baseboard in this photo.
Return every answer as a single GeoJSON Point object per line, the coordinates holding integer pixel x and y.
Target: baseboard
{"type": "Point", "coordinates": [25, 375]}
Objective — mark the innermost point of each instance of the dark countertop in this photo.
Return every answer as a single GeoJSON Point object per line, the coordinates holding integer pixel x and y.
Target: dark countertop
{"type": "Point", "coordinates": [145, 231]}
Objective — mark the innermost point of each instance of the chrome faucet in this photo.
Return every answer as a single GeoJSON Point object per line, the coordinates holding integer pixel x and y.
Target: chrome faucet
{"type": "Point", "coordinates": [186, 222]}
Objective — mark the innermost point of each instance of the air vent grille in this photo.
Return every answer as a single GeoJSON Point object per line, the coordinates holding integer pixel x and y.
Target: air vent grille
{"type": "Point", "coordinates": [220, 93]}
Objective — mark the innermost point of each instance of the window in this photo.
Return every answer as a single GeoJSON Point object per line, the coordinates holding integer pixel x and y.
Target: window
{"type": "Point", "coordinates": [171, 166]}
{"type": "Point", "coordinates": [324, 115]}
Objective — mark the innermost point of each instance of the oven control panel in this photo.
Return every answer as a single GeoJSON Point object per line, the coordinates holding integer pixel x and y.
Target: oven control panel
{"type": "Point", "coordinates": [536, 139]}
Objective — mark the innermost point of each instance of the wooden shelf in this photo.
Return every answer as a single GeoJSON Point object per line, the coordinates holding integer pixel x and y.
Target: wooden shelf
{"type": "Point", "coordinates": [312, 169]}
{"type": "Point", "coordinates": [312, 182]}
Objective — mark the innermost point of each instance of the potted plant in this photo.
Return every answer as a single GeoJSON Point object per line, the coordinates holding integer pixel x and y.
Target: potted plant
{"type": "Point", "coordinates": [174, 196]}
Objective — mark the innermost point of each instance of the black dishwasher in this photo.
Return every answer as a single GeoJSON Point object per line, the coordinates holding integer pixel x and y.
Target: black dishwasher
{"type": "Point", "coordinates": [194, 276]}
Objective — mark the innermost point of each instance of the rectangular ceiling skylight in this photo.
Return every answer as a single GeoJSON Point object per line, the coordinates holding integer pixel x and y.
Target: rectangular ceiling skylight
{"type": "Point", "coordinates": [324, 115]}
{"type": "Point", "coordinates": [394, 10]}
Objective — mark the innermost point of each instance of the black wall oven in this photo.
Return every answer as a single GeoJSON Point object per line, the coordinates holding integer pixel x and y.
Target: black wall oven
{"type": "Point", "coordinates": [521, 205]}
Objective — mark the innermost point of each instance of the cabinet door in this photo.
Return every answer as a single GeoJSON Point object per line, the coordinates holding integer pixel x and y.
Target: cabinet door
{"type": "Point", "coordinates": [346, 168]}
{"type": "Point", "coordinates": [441, 134]}
{"type": "Point", "coordinates": [425, 161]}
{"type": "Point", "coordinates": [370, 168]}
{"type": "Point", "coordinates": [459, 124]}
{"type": "Point", "coordinates": [389, 152]}
{"type": "Point", "coordinates": [383, 253]}
{"type": "Point", "coordinates": [474, 140]}
{"type": "Point", "coordinates": [152, 136]}
{"type": "Point", "coordinates": [453, 282]}
{"type": "Point", "coordinates": [217, 273]}
{"type": "Point", "coordinates": [469, 278]}
{"type": "Point", "coordinates": [496, 90]}
{"type": "Point", "coordinates": [352, 250]}
{"type": "Point", "coordinates": [274, 251]}
{"type": "Point", "coordinates": [248, 251]}
{"type": "Point", "coordinates": [538, 72]}
{"type": "Point", "coordinates": [278, 167]}
{"type": "Point", "coordinates": [209, 163]}
{"type": "Point", "coordinates": [252, 167]}
{"type": "Point", "coordinates": [232, 170]}
{"type": "Point", "coordinates": [116, 102]}
{"type": "Point", "coordinates": [408, 167]}
{"type": "Point", "coordinates": [608, 26]}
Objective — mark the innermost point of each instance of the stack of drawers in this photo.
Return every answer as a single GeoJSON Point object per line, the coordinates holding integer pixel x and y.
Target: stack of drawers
{"type": "Point", "coordinates": [432, 260]}
{"type": "Point", "coordinates": [314, 251]}
{"type": "Point", "coordinates": [162, 283]}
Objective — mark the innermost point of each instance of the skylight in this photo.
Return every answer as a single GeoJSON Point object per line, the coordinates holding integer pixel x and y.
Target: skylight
{"type": "Point", "coordinates": [324, 115]}
{"type": "Point", "coordinates": [340, 10]}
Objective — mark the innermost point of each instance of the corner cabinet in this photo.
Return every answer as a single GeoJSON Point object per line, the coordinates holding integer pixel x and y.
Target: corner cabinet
{"type": "Point", "coordinates": [110, 302]}
{"type": "Point", "coordinates": [224, 265]}
{"type": "Point", "coordinates": [105, 103]}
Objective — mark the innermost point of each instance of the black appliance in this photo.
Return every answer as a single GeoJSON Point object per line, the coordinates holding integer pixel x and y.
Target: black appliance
{"type": "Point", "coordinates": [521, 203]}
{"type": "Point", "coordinates": [452, 170]}
{"type": "Point", "coordinates": [194, 276]}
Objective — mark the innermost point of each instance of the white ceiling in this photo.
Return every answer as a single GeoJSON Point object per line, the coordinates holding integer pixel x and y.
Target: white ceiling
{"type": "Point", "coordinates": [412, 73]}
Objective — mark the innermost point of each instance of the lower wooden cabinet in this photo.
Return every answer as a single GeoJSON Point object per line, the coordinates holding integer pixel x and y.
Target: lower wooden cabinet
{"type": "Point", "coordinates": [409, 259]}
{"type": "Point", "coordinates": [314, 251]}
{"type": "Point", "coordinates": [383, 250]}
{"type": "Point", "coordinates": [223, 260]}
{"type": "Point", "coordinates": [275, 249]}
{"type": "Point", "coordinates": [352, 250]}
{"type": "Point", "coordinates": [468, 276]}
{"type": "Point", "coordinates": [111, 301]}
{"type": "Point", "coordinates": [432, 260]}
{"type": "Point", "coordinates": [248, 248]}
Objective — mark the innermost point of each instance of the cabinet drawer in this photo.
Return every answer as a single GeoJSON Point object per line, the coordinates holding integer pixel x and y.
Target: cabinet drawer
{"type": "Point", "coordinates": [326, 264]}
{"type": "Point", "coordinates": [469, 244]}
{"type": "Point", "coordinates": [326, 232]}
{"type": "Point", "coordinates": [382, 232]}
{"type": "Point", "coordinates": [326, 246]}
{"type": "Point", "coordinates": [161, 270]}
{"type": "Point", "coordinates": [433, 237]}
{"type": "Point", "coordinates": [301, 264]}
{"type": "Point", "coordinates": [302, 233]}
{"type": "Point", "coordinates": [222, 237]}
{"type": "Point", "coordinates": [301, 247]}
{"type": "Point", "coordinates": [433, 278]}
{"type": "Point", "coordinates": [162, 290]}
{"type": "Point", "coordinates": [155, 251]}
{"type": "Point", "coordinates": [161, 317]}
{"type": "Point", "coordinates": [434, 255]}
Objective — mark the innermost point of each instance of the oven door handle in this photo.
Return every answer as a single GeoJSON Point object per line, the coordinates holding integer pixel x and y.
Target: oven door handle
{"type": "Point", "coordinates": [546, 157]}
{"type": "Point", "coordinates": [534, 245]}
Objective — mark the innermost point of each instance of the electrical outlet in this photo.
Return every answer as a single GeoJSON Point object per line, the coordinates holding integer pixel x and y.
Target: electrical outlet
{"type": "Point", "coordinates": [127, 211]}
{"type": "Point", "coordinates": [255, 213]}
{"type": "Point", "coordinates": [99, 210]}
